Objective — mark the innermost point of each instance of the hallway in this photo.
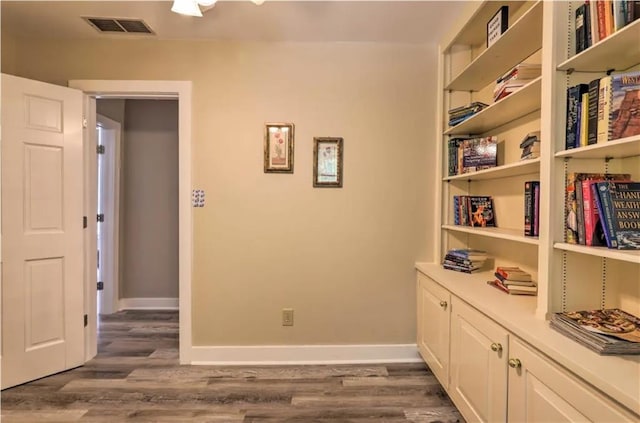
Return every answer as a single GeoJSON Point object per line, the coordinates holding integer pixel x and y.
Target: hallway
{"type": "Point", "coordinates": [136, 378]}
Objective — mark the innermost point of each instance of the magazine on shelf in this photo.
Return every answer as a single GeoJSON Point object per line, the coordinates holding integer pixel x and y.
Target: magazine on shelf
{"type": "Point", "coordinates": [607, 331]}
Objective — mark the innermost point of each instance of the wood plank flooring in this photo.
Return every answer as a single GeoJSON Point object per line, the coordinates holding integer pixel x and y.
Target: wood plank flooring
{"type": "Point", "coordinates": [136, 378]}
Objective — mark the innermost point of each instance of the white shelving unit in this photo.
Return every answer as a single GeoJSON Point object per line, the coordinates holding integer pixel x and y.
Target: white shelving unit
{"type": "Point", "coordinates": [569, 276]}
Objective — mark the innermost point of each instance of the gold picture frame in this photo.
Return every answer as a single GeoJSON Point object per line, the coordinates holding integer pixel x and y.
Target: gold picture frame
{"type": "Point", "coordinates": [278, 147]}
{"type": "Point", "coordinates": [327, 162]}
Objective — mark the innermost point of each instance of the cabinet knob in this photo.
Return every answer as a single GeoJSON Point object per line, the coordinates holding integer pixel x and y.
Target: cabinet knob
{"type": "Point", "coordinates": [515, 363]}
{"type": "Point", "coordinates": [496, 347]}
{"type": "Point", "coordinates": [443, 304]}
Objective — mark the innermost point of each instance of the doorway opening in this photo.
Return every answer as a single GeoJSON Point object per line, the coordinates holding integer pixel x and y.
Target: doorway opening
{"type": "Point", "coordinates": [137, 224]}
{"type": "Point", "coordinates": [149, 90]}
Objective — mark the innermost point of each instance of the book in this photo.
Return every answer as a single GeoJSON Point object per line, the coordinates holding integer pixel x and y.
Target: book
{"type": "Point", "coordinates": [479, 154]}
{"type": "Point", "coordinates": [593, 21]}
{"type": "Point", "coordinates": [587, 24]}
{"type": "Point", "coordinates": [529, 207]}
{"type": "Point", "coordinates": [592, 123]}
{"type": "Point", "coordinates": [513, 289]}
{"type": "Point", "coordinates": [604, 107]}
{"type": "Point", "coordinates": [619, 14]}
{"type": "Point", "coordinates": [513, 273]}
{"type": "Point", "coordinates": [508, 282]}
{"type": "Point", "coordinates": [469, 253]}
{"type": "Point", "coordinates": [625, 211]}
{"type": "Point", "coordinates": [583, 122]}
{"type": "Point", "coordinates": [606, 331]}
{"type": "Point", "coordinates": [581, 28]}
{"type": "Point", "coordinates": [624, 119]}
{"type": "Point", "coordinates": [574, 96]}
{"type": "Point", "coordinates": [603, 202]}
{"type": "Point", "coordinates": [572, 210]}
{"type": "Point", "coordinates": [480, 209]}
{"type": "Point", "coordinates": [594, 232]}
{"type": "Point", "coordinates": [602, 24]}
{"type": "Point", "coordinates": [536, 210]}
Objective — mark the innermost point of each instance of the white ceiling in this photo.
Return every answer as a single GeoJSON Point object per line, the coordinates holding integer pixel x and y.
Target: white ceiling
{"type": "Point", "coordinates": [322, 21]}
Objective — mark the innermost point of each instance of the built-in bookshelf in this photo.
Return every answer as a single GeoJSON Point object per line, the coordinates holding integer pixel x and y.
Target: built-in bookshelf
{"type": "Point", "coordinates": [569, 276]}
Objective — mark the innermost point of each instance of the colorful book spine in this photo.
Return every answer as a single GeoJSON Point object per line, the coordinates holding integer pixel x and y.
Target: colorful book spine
{"type": "Point", "coordinates": [602, 24]}
{"type": "Point", "coordinates": [624, 119]}
{"type": "Point", "coordinates": [583, 127]}
{"type": "Point", "coordinates": [530, 207]}
{"type": "Point", "coordinates": [536, 210]}
{"type": "Point", "coordinates": [625, 205]}
{"type": "Point", "coordinates": [604, 108]}
{"type": "Point", "coordinates": [592, 112]}
{"type": "Point", "coordinates": [591, 219]}
{"type": "Point", "coordinates": [606, 213]}
{"type": "Point", "coordinates": [593, 20]}
{"type": "Point", "coordinates": [574, 96]}
{"type": "Point", "coordinates": [581, 29]}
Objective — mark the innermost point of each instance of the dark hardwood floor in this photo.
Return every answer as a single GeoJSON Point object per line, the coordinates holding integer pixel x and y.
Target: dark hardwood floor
{"type": "Point", "coordinates": [136, 377]}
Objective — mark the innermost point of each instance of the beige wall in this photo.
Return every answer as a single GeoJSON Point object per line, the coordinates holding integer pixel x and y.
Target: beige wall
{"type": "Point", "coordinates": [342, 258]}
{"type": "Point", "coordinates": [150, 188]}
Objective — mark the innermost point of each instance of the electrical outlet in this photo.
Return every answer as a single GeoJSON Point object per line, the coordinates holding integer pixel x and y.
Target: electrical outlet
{"type": "Point", "coordinates": [287, 317]}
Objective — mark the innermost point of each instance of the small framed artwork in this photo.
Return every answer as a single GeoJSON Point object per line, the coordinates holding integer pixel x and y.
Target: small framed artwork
{"type": "Point", "coordinates": [327, 162]}
{"type": "Point", "coordinates": [497, 25]}
{"type": "Point", "coordinates": [278, 147]}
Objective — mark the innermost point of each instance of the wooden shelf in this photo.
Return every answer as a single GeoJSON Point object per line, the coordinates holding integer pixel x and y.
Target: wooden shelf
{"type": "Point", "coordinates": [618, 149]}
{"type": "Point", "coordinates": [632, 256]}
{"type": "Point", "coordinates": [500, 233]}
{"type": "Point", "coordinates": [618, 51]}
{"type": "Point", "coordinates": [520, 41]}
{"type": "Point", "coordinates": [512, 107]}
{"type": "Point", "coordinates": [512, 169]}
{"type": "Point", "coordinates": [474, 33]}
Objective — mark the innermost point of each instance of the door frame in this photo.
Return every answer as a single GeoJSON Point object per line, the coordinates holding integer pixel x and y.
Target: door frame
{"type": "Point", "coordinates": [109, 255]}
{"type": "Point", "coordinates": [139, 89]}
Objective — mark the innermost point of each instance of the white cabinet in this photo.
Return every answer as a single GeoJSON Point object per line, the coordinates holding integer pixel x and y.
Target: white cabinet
{"type": "Point", "coordinates": [433, 326]}
{"type": "Point", "coordinates": [540, 391]}
{"type": "Point", "coordinates": [479, 350]}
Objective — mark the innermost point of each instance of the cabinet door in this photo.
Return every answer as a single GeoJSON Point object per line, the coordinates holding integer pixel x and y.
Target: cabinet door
{"type": "Point", "coordinates": [541, 391]}
{"type": "Point", "coordinates": [433, 327]}
{"type": "Point", "coordinates": [479, 354]}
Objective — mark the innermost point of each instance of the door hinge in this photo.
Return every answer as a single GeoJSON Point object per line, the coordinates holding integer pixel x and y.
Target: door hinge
{"type": "Point", "coordinates": [84, 222]}
{"type": "Point", "coordinates": [85, 123]}
{"type": "Point", "coordinates": [100, 217]}
{"type": "Point", "coordinates": [100, 149]}
{"type": "Point", "coordinates": [86, 320]}
{"type": "Point", "coordinates": [100, 286]}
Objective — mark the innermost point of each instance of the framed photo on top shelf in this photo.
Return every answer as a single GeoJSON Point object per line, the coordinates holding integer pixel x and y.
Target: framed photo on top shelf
{"type": "Point", "coordinates": [497, 25]}
{"type": "Point", "coordinates": [327, 162]}
{"type": "Point", "coordinates": [278, 148]}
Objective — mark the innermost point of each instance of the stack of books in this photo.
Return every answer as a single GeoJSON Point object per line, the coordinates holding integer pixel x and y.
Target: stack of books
{"type": "Point", "coordinates": [515, 79]}
{"type": "Point", "coordinates": [514, 280]}
{"type": "Point", "coordinates": [530, 146]}
{"type": "Point", "coordinates": [607, 332]}
{"type": "Point", "coordinates": [472, 154]}
{"type": "Point", "coordinates": [464, 260]}
{"type": "Point", "coordinates": [460, 114]}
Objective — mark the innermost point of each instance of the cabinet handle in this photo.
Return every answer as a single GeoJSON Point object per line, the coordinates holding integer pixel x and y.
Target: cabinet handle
{"type": "Point", "coordinates": [443, 304]}
{"type": "Point", "coordinates": [515, 363]}
{"type": "Point", "coordinates": [496, 347]}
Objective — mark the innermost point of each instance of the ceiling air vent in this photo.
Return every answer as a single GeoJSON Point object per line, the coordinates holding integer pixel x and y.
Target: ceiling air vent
{"type": "Point", "coordinates": [119, 26]}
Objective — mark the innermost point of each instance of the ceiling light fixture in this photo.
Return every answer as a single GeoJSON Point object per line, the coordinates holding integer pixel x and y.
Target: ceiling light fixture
{"type": "Point", "coordinates": [192, 7]}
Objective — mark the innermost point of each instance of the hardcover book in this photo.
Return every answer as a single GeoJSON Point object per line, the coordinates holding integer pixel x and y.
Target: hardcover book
{"type": "Point", "coordinates": [574, 96]}
{"type": "Point", "coordinates": [604, 108]}
{"type": "Point", "coordinates": [530, 207]}
{"type": "Point", "coordinates": [624, 200]}
{"type": "Point", "coordinates": [479, 154]}
{"type": "Point", "coordinates": [480, 210]}
{"type": "Point", "coordinates": [592, 124]}
{"type": "Point", "coordinates": [624, 115]}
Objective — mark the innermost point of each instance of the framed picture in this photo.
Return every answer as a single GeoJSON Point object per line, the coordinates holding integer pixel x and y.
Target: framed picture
{"type": "Point", "coordinates": [327, 162]}
{"type": "Point", "coordinates": [278, 147]}
{"type": "Point", "coordinates": [497, 25]}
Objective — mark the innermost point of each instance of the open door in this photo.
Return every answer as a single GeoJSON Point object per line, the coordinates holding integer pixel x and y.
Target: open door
{"type": "Point", "coordinates": [108, 136]}
{"type": "Point", "coordinates": [42, 224]}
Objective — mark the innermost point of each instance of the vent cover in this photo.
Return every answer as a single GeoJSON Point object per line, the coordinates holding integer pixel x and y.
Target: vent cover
{"type": "Point", "coordinates": [119, 26]}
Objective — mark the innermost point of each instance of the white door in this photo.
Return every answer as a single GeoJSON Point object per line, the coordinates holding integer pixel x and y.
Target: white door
{"type": "Point", "coordinates": [42, 269]}
{"type": "Point", "coordinates": [108, 136]}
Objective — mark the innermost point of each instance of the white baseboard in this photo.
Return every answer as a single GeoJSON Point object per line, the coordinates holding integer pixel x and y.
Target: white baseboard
{"type": "Point", "coordinates": [305, 354]}
{"type": "Point", "coordinates": [148, 304]}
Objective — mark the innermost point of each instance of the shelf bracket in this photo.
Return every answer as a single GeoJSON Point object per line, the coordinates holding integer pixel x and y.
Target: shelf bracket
{"type": "Point", "coordinates": [610, 71]}
{"type": "Point", "coordinates": [570, 71]}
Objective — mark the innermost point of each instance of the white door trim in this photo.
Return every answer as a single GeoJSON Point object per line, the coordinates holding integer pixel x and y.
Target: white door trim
{"type": "Point", "coordinates": [180, 90]}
